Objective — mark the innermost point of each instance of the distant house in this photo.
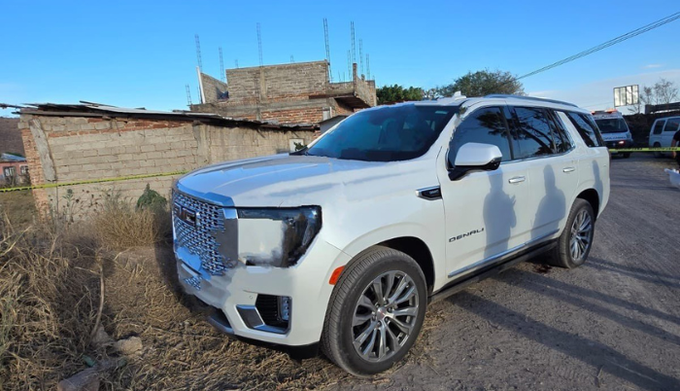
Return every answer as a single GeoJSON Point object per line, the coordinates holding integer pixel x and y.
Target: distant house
{"type": "Point", "coordinates": [13, 170]}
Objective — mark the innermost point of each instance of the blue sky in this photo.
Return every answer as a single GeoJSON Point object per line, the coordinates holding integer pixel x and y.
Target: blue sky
{"type": "Point", "coordinates": [141, 54]}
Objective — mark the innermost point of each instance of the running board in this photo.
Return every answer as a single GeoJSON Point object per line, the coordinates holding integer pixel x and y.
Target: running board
{"type": "Point", "coordinates": [489, 271]}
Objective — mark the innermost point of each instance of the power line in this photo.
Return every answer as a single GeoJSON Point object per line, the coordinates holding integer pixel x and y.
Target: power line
{"type": "Point", "coordinates": [607, 44]}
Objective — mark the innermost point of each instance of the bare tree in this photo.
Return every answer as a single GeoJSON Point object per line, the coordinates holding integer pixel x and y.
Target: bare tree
{"type": "Point", "coordinates": [665, 91]}
{"type": "Point", "coordinates": [662, 92]}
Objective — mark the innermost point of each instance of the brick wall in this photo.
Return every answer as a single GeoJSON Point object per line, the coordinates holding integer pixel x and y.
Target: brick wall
{"type": "Point", "coordinates": [284, 81]}
{"type": "Point", "coordinates": [82, 148]}
{"type": "Point", "coordinates": [213, 89]}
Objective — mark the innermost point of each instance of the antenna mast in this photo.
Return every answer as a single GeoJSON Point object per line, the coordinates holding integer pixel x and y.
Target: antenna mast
{"type": "Point", "coordinates": [198, 53]}
{"type": "Point", "coordinates": [223, 76]}
{"type": "Point", "coordinates": [368, 68]}
{"type": "Point", "coordinates": [354, 49]}
{"type": "Point", "coordinates": [259, 42]}
{"type": "Point", "coordinates": [328, 48]}
{"type": "Point", "coordinates": [361, 56]}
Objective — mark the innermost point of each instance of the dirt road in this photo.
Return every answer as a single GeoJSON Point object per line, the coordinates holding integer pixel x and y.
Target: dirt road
{"type": "Point", "coordinates": [612, 324]}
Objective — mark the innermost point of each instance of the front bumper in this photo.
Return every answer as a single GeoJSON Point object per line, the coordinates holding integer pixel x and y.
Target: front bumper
{"type": "Point", "coordinates": [235, 294]}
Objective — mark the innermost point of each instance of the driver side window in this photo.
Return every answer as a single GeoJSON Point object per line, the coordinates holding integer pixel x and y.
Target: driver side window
{"type": "Point", "coordinates": [486, 126]}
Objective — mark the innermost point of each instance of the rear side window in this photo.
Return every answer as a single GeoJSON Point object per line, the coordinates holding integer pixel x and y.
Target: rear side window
{"type": "Point", "coordinates": [658, 126]}
{"type": "Point", "coordinates": [586, 128]}
{"type": "Point", "coordinates": [672, 125]}
{"type": "Point", "coordinates": [487, 126]}
{"type": "Point", "coordinates": [533, 133]}
{"type": "Point", "coordinates": [561, 138]}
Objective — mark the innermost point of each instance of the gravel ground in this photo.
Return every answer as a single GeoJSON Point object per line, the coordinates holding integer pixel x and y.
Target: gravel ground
{"type": "Point", "coordinates": [612, 324]}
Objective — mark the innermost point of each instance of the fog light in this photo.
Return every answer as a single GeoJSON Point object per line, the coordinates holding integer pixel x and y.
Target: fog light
{"type": "Point", "coordinates": [284, 308]}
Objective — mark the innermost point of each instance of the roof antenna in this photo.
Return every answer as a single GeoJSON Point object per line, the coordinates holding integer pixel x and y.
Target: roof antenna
{"type": "Point", "coordinates": [188, 95]}
{"type": "Point", "coordinates": [198, 53]}
{"type": "Point", "coordinates": [259, 42]}
{"type": "Point", "coordinates": [328, 49]}
{"type": "Point", "coordinates": [223, 76]}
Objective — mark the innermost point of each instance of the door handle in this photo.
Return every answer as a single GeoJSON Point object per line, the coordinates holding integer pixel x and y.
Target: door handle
{"type": "Point", "coordinates": [517, 179]}
{"type": "Point", "coordinates": [568, 169]}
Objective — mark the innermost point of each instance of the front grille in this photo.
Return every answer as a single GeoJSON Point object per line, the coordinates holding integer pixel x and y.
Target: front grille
{"type": "Point", "coordinates": [198, 236]}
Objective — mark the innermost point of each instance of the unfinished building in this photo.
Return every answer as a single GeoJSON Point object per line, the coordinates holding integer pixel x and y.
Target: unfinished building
{"type": "Point", "coordinates": [286, 93]}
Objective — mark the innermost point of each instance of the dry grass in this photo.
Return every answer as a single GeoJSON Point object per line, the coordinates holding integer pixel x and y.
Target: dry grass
{"type": "Point", "coordinates": [18, 206]}
{"type": "Point", "coordinates": [45, 306]}
{"type": "Point", "coordinates": [119, 225]}
{"type": "Point", "coordinates": [49, 300]}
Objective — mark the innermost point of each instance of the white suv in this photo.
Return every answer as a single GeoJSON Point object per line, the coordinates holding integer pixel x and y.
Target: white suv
{"type": "Point", "coordinates": [347, 241]}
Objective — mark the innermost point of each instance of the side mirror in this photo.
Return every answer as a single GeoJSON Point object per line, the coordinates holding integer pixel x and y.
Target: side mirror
{"type": "Point", "coordinates": [474, 157]}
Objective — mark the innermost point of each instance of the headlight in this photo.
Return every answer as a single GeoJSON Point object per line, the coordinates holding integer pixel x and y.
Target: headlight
{"type": "Point", "coordinates": [276, 236]}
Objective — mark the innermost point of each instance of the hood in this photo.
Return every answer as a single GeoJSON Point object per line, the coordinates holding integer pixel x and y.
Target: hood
{"type": "Point", "coordinates": [285, 180]}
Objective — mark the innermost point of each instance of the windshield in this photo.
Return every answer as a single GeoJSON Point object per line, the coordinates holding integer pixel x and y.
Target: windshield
{"type": "Point", "coordinates": [385, 134]}
{"type": "Point", "coordinates": [613, 125]}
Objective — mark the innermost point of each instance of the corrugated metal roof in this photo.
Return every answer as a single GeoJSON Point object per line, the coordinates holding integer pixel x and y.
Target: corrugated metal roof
{"type": "Point", "coordinates": [98, 109]}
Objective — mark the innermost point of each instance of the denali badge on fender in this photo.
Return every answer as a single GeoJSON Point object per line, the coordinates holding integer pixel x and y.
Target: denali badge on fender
{"type": "Point", "coordinates": [461, 236]}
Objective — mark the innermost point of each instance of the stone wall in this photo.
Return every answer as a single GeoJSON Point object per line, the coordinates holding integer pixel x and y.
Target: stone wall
{"type": "Point", "coordinates": [67, 149]}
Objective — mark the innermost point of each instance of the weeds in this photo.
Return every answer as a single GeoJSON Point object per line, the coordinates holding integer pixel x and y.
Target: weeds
{"type": "Point", "coordinates": [119, 225]}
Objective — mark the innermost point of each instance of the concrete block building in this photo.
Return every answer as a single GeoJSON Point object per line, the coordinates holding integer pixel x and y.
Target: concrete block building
{"type": "Point", "coordinates": [286, 93]}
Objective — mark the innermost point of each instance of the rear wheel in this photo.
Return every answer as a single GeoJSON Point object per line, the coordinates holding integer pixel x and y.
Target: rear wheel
{"type": "Point", "coordinates": [376, 312]}
{"type": "Point", "coordinates": [573, 246]}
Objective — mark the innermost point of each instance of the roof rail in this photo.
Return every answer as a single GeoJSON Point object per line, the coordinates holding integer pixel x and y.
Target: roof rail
{"type": "Point", "coordinates": [530, 98]}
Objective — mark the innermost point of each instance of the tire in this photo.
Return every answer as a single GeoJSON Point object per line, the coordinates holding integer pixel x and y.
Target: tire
{"type": "Point", "coordinates": [572, 252]}
{"type": "Point", "coordinates": [657, 154]}
{"type": "Point", "coordinates": [352, 312]}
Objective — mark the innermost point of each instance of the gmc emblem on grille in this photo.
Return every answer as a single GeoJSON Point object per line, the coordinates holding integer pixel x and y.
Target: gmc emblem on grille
{"type": "Point", "coordinates": [187, 215]}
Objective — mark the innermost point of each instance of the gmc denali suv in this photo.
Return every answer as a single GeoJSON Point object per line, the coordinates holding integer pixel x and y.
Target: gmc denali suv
{"type": "Point", "coordinates": [347, 241]}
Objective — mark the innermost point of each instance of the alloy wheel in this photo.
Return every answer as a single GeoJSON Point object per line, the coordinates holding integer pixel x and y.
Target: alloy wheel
{"type": "Point", "coordinates": [384, 316]}
{"type": "Point", "coordinates": [581, 235]}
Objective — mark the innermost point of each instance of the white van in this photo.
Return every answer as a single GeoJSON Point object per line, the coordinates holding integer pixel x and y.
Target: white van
{"type": "Point", "coordinates": [661, 134]}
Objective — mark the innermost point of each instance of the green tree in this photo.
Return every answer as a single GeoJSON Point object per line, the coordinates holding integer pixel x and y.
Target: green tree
{"type": "Point", "coordinates": [481, 83]}
{"type": "Point", "coordinates": [397, 93]}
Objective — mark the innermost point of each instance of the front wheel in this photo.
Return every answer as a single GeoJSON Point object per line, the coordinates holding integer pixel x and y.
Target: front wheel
{"type": "Point", "coordinates": [657, 154]}
{"type": "Point", "coordinates": [574, 245]}
{"type": "Point", "coordinates": [376, 312]}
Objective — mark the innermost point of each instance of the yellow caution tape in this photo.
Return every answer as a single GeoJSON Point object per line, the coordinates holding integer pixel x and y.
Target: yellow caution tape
{"type": "Point", "coordinates": [645, 149]}
{"type": "Point", "coordinates": [90, 181]}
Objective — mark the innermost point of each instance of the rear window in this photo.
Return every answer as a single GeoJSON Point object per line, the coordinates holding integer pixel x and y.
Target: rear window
{"type": "Point", "coordinates": [672, 125]}
{"type": "Point", "coordinates": [586, 127]}
{"type": "Point", "coordinates": [658, 126]}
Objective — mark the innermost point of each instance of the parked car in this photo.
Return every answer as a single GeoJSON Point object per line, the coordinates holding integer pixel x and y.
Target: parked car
{"type": "Point", "coordinates": [614, 130]}
{"type": "Point", "coordinates": [347, 241]}
{"type": "Point", "coordinates": [662, 131]}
